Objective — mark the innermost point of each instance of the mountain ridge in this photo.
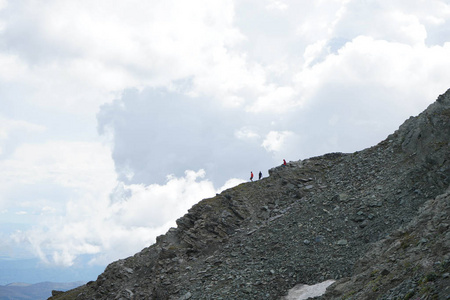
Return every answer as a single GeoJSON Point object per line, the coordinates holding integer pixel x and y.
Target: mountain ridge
{"type": "Point", "coordinates": [309, 221]}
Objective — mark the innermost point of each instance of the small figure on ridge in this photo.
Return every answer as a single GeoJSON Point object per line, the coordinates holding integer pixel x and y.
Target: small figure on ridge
{"type": "Point", "coordinates": [251, 176]}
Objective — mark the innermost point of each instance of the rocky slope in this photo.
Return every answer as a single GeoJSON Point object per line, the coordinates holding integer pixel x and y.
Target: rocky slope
{"type": "Point", "coordinates": [337, 216]}
{"type": "Point", "coordinates": [412, 263]}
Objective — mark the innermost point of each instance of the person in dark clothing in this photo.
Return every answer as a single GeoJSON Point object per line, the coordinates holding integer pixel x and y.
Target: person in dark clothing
{"type": "Point", "coordinates": [251, 176]}
{"type": "Point", "coordinates": [260, 175]}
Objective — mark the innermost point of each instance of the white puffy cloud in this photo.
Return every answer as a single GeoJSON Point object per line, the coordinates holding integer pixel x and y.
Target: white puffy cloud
{"type": "Point", "coordinates": [155, 204]}
{"type": "Point", "coordinates": [365, 90]}
{"type": "Point", "coordinates": [399, 68]}
{"type": "Point", "coordinates": [110, 230]}
{"type": "Point", "coordinates": [275, 140]}
{"type": "Point", "coordinates": [277, 99]}
{"type": "Point", "coordinates": [105, 48]}
{"type": "Point", "coordinates": [61, 46]}
{"type": "Point", "coordinates": [247, 133]}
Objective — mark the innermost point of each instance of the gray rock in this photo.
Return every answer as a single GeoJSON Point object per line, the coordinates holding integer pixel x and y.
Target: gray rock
{"type": "Point", "coordinates": [290, 186]}
{"type": "Point", "coordinates": [186, 296]}
{"type": "Point", "coordinates": [342, 242]}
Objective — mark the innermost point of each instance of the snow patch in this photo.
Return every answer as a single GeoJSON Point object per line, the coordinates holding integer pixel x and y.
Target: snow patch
{"type": "Point", "coordinates": [304, 291]}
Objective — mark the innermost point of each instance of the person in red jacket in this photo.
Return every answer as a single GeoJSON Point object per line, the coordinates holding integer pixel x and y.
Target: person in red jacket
{"type": "Point", "coordinates": [284, 162]}
{"type": "Point", "coordinates": [251, 176]}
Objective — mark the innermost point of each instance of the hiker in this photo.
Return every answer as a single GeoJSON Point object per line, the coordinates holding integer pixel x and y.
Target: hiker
{"type": "Point", "coordinates": [251, 176]}
{"type": "Point", "coordinates": [284, 162]}
{"type": "Point", "coordinates": [260, 175]}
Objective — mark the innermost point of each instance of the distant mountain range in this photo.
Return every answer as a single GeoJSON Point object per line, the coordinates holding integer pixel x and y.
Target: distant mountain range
{"type": "Point", "coordinates": [38, 291]}
{"type": "Point", "coordinates": [33, 270]}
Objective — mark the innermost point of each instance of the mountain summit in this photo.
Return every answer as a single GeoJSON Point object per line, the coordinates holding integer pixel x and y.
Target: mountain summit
{"type": "Point", "coordinates": [377, 221]}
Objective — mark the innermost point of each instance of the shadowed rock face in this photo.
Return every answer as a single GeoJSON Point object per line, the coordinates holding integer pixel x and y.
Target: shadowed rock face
{"type": "Point", "coordinates": [327, 217]}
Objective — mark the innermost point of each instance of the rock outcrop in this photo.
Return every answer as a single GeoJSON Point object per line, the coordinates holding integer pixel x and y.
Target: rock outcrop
{"type": "Point", "coordinates": [375, 220]}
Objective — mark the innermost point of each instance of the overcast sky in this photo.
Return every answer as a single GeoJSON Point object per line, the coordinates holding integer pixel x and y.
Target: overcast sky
{"type": "Point", "coordinates": [118, 116]}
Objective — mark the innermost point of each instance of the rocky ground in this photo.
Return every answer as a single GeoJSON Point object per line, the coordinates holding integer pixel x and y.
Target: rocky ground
{"type": "Point", "coordinates": [375, 220]}
{"type": "Point", "coordinates": [412, 263]}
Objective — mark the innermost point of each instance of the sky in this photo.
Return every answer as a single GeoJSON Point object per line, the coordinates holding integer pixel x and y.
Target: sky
{"type": "Point", "coordinates": [117, 116]}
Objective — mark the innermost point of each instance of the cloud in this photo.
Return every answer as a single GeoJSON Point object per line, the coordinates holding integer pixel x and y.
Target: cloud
{"type": "Point", "coordinates": [390, 22]}
{"type": "Point", "coordinates": [246, 133]}
{"type": "Point", "coordinates": [12, 68]}
{"type": "Point", "coordinates": [277, 5]}
{"type": "Point", "coordinates": [365, 91]}
{"type": "Point", "coordinates": [53, 172]}
{"type": "Point", "coordinates": [368, 62]}
{"type": "Point", "coordinates": [12, 131]}
{"type": "Point", "coordinates": [155, 204]}
{"type": "Point", "coordinates": [275, 141]}
{"type": "Point", "coordinates": [277, 99]}
{"type": "Point", "coordinates": [100, 226]}
{"type": "Point", "coordinates": [170, 133]}
{"type": "Point", "coordinates": [9, 127]}
{"type": "Point", "coordinates": [106, 48]}
{"type": "Point", "coordinates": [61, 45]}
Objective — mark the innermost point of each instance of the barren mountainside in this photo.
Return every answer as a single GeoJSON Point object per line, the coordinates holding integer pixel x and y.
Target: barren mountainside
{"type": "Point", "coordinates": [377, 221]}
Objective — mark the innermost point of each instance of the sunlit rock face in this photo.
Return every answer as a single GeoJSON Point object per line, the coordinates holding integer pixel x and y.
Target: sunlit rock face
{"type": "Point", "coordinates": [354, 218]}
